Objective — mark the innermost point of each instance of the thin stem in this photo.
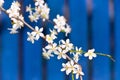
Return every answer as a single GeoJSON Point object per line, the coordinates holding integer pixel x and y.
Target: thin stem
{"type": "Point", "coordinates": [81, 78]}
{"type": "Point", "coordinates": [29, 26]}
{"type": "Point", "coordinates": [75, 63]}
{"type": "Point", "coordinates": [2, 9]}
{"type": "Point", "coordinates": [101, 54]}
{"type": "Point", "coordinates": [72, 76]}
{"type": "Point", "coordinates": [71, 59]}
{"type": "Point", "coordinates": [109, 56]}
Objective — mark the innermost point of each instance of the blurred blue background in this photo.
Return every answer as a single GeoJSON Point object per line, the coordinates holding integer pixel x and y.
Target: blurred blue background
{"type": "Point", "coordinates": [94, 23]}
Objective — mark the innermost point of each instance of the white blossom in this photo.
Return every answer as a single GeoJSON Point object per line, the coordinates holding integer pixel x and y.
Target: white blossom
{"type": "Point", "coordinates": [29, 9]}
{"type": "Point", "coordinates": [13, 11]}
{"type": "Point", "coordinates": [77, 54]}
{"type": "Point", "coordinates": [67, 29]}
{"type": "Point", "coordinates": [78, 72]}
{"type": "Point", "coordinates": [47, 54]}
{"type": "Point", "coordinates": [61, 53]}
{"type": "Point", "coordinates": [31, 37]}
{"type": "Point", "coordinates": [1, 3]}
{"type": "Point", "coordinates": [50, 38]}
{"type": "Point", "coordinates": [37, 33]}
{"type": "Point", "coordinates": [33, 17]}
{"type": "Point", "coordinates": [45, 12]}
{"type": "Point", "coordinates": [67, 45]}
{"type": "Point", "coordinates": [76, 57]}
{"type": "Point", "coordinates": [15, 16]}
{"type": "Point", "coordinates": [39, 2]}
{"type": "Point", "coordinates": [52, 48]}
{"type": "Point", "coordinates": [69, 67]}
{"type": "Point", "coordinates": [13, 30]}
{"type": "Point", "coordinates": [66, 67]}
{"type": "Point", "coordinates": [53, 33]}
{"type": "Point", "coordinates": [41, 10]}
{"type": "Point", "coordinates": [78, 50]}
{"type": "Point", "coordinates": [17, 23]}
{"type": "Point", "coordinates": [60, 22]}
{"type": "Point", "coordinates": [90, 54]}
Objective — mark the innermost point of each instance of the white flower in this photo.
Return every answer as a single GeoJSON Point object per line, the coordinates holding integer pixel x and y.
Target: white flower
{"type": "Point", "coordinates": [45, 12]}
{"type": "Point", "coordinates": [78, 51]}
{"type": "Point", "coordinates": [37, 33]}
{"type": "Point", "coordinates": [30, 38]}
{"type": "Point", "coordinates": [46, 54]}
{"type": "Point", "coordinates": [17, 23]}
{"type": "Point", "coordinates": [69, 67]}
{"type": "Point", "coordinates": [60, 22]}
{"type": "Point", "coordinates": [67, 45]}
{"type": "Point", "coordinates": [78, 72]}
{"type": "Point", "coordinates": [21, 17]}
{"type": "Point", "coordinates": [66, 67]}
{"type": "Point", "coordinates": [90, 54]}
{"type": "Point", "coordinates": [1, 3]}
{"type": "Point", "coordinates": [53, 33]}
{"type": "Point", "coordinates": [39, 2]}
{"type": "Point", "coordinates": [61, 53]}
{"type": "Point", "coordinates": [33, 17]}
{"type": "Point", "coordinates": [52, 48]}
{"type": "Point", "coordinates": [67, 29]}
{"type": "Point", "coordinates": [29, 9]}
{"type": "Point", "coordinates": [14, 10]}
{"type": "Point", "coordinates": [50, 38]}
{"type": "Point", "coordinates": [76, 57]}
{"type": "Point", "coordinates": [13, 30]}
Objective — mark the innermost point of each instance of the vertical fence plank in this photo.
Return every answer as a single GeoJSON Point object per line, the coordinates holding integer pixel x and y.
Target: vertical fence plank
{"type": "Point", "coordinates": [31, 53]}
{"type": "Point", "coordinates": [90, 44]}
{"type": "Point", "coordinates": [66, 11]}
{"type": "Point", "coordinates": [9, 49]}
{"type": "Point", "coordinates": [78, 22]}
{"type": "Point", "coordinates": [54, 65]}
{"type": "Point", "coordinates": [117, 38]}
{"type": "Point", "coordinates": [20, 43]}
{"type": "Point", "coordinates": [9, 53]}
{"type": "Point", "coordinates": [101, 39]}
{"type": "Point", "coordinates": [32, 60]}
{"type": "Point", "coordinates": [1, 46]}
{"type": "Point", "coordinates": [112, 38]}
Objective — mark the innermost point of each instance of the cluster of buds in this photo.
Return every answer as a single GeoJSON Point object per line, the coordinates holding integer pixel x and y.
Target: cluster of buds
{"type": "Point", "coordinates": [64, 49]}
{"type": "Point", "coordinates": [40, 10]}
{"type": "Point", "coordinates": [16, 17]}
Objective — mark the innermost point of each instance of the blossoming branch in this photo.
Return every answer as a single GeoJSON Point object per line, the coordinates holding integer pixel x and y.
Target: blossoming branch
{"type": "Point", "coordinates": [64, 49]}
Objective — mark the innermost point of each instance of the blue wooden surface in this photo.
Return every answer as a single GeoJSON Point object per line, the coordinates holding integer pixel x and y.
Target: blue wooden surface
{"type": "Point", "coordinates": [78, 22]}
{"type": "Point", "coordinates": [9, 51]}
{"type": "Point", "coordinates": [117, 39]}
{"type": "Point", "coordinates": [54, 65]}
{"type": "Point", "coordinates": [101, 39]}
{"type": "Point", "coordinates": [9, 54]}
{"type": "Point", "coordinates": [32, 54]}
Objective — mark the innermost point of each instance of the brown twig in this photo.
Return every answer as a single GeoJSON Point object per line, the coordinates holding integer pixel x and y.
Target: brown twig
{"type": "Point", "coordinates": [29, 26]}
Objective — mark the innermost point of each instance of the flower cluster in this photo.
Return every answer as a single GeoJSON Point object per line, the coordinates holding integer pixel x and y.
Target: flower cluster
{"type": "Point", "coordinates": [16, 17]}
{"type": "Point", "coordinates": [63, 49]}
{"type": "Point", "coordinates": [1, 4]}
{"type": "Point", "coordinates": [35, 35]}
{"type": "Point", "coordinates": [61, 25]}
{"type": "Point", "coordinates": [70, 66]}
{"type": "Point", "coordinates": [41, 10]}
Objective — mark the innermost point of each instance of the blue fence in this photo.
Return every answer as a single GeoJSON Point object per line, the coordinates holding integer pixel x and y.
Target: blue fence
{"type": "Point", "coordinates": [94, 23]}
